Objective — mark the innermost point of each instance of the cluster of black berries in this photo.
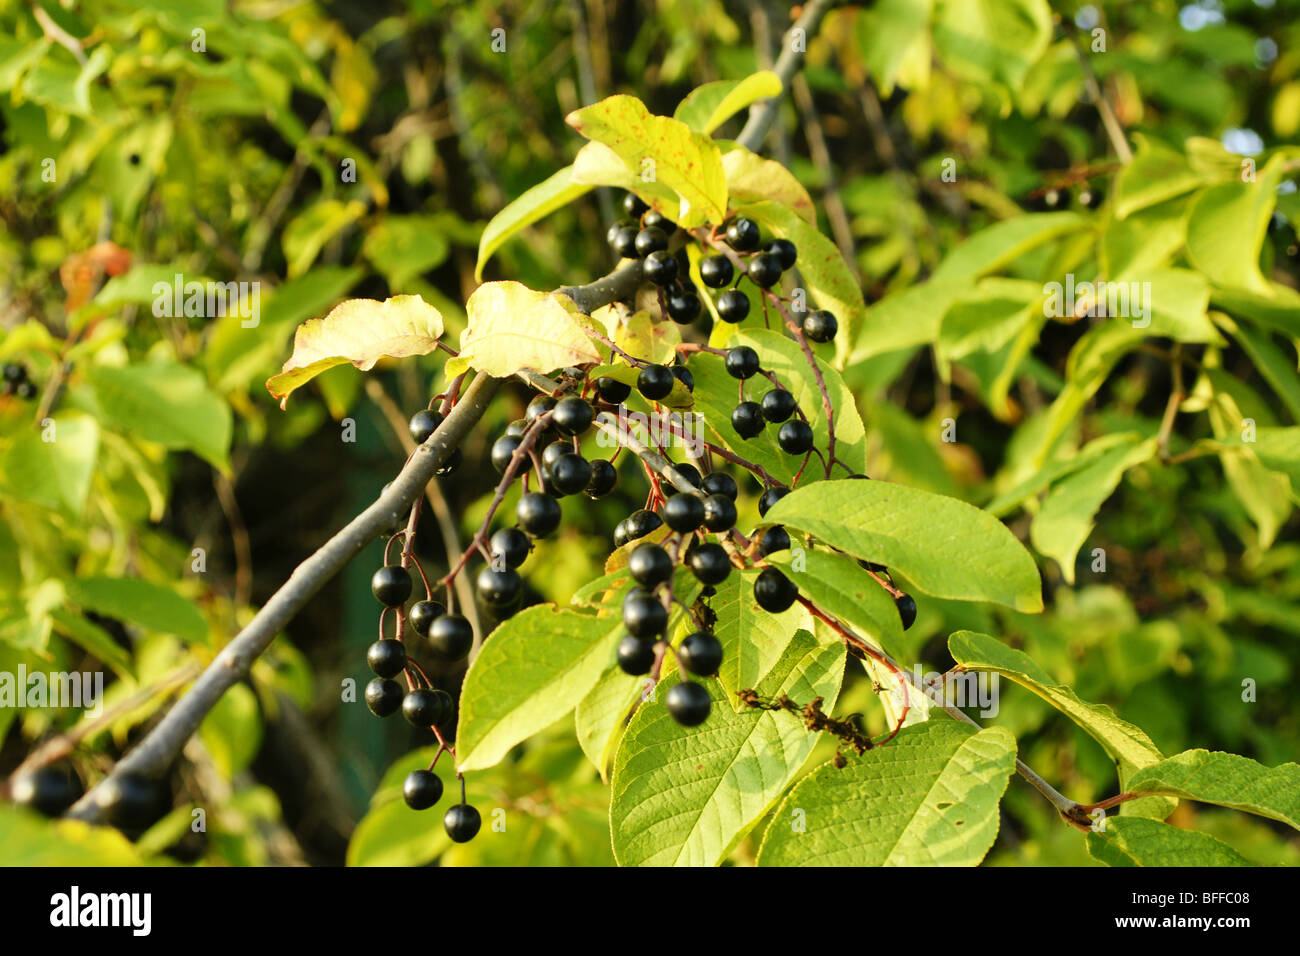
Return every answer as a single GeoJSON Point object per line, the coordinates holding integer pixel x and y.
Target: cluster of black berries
{"type": "Point", "coordinates": [646, 235]}
{"type": "Point", "coordinates": [17, 383]}
{"type": "Point", "coordinates": [777, 407]}
{"type": "Point", "coordinates": [422, 425]}
{"type": "Point", "coordinates": [128, 801]}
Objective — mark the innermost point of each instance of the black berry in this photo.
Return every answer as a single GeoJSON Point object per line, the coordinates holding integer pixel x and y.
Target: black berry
{"type": "Point", "coordinates": [655, 219]}
{"type": "Point", "coordinates": [773, 539]}
{"type": "Point", "coordinates": [655, 382]}
{"type": "Point", "coordinates": [719, 513]}
{"type": "Point", "coordinates": [742, 234]}
{"type": "Point", "coordinates": [701, 654]}
{"type": "Point", "coordinates": [603, 478]}
{"type": "Point", "coordinates": [795, 437]}
{"type": "Point", "coordinates": [643, 614]}
{"type": "Point", "coordinates": [569, 474]}
{"type": "Point", "coordinates": [450, 637]}
{"type": "Point", "coordinates": [709, 563]}
{"type": "Point", "coordinates": [517, 428]}
{"type": "Point", "coordinates": [131, 801]}
{"type": "Point", "coordinates": [539, 406]}
{"type": "Point", "coordinates": [423, 423]}
{"type": "Point", "coordinates": [747, 419]}
{"type": "Point", "coordinates": [462, 823]}
{"type": "Point", "coordinates": [649, 564]}
{"type": "Point", "coordinates": [554, 452]}
{"type": "Point", "coordinates": [387, 658]}
{"type": "Point", "coordinates": [765, 269]}
{"type": "Point", "coordinates": [572, 416]}
{"type": "Point", "coordinates": [503, 450]}
{"type": "Point", "coordinates": [774, 591]}
{"type": "Point", "coordinates": [538, 513]}
{"type": "Point", "coordinates": [612, 232]}
{"type": "Point", "coordinates": [688, 703]}
{"type": "Point", "coordinates": [641, 522]}
{"type": "Point", "coordinates": [770, 497]}
{"type": "Point", "coordinates": [383, 697]}
{"type": "Point", "coordinates": [423, 614]}
{"type": "Point", "coordinates": [634, 206]}
{"type": "Point", "coordinates": [785, 251]}
{"type": "Point", "coordinates": [635, 656]}
{"type": "Point", "coordinates": [509, 545]}
{"type": "Point", "coordinates": [421, 789]}
{"type": "Point", "coordinates": [49, 790]}
{"type": "Point", "coordinates": [660, 268]}
{"type": "Point", "coordinates": [683, 513]}
{"type": "Point", "coordinates": [683, 375]}
{"type": "Point", "coordinates": [716, 271]}
{"type": "Point", "coordinates": [623, 242]}
{"type": "Point", "coordinates": [778, 405]}
{"type": "Point", "coordinates": [423, 707]}
{"type": "Point", "coordinates": [499, 588]}
{"type": "Point", "coordinates": [683, 307]}
{"type": "Point", "coordinates": [15, 373]}
{"type": "Point", "coordinates": [733, 306]}
{"type": "Point", "coordinates": [391, 584]}
{"type": "Point", "coordinates": [820, 326]}
{"type": "Point", "coordinates": [906, 609]}
{"type": "Point", "coordinates": [26, 390]}
{"type": "Point", "coordinates": [612, 390]}
{"type": "Point", "coordinates": [741, 362]}
{"type": "Point", "coordinates": [720, 483]}
{"type": "Point", "coordinates": [687, 471]}
{"type": "Point", "coordinates": [650, 240]}
{"type": "Point", "coordinates": [620, 534]}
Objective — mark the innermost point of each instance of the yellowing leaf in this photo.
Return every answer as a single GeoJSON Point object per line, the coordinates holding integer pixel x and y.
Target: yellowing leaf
{"type": "Point", "coordinates": [512, 328]}
{"type": "Point", "coordinates": [751, 178]}
{"type": "Point", "coordinates": [598, 165]}
{"type": "Point", "coordinates": [642, 337]}
{"type": "Point", "coordinates": [685, 161]}
{"type": "Point", "coordinates": [709, 106]}
{"type": "Point", "coordinates": [360, 331]}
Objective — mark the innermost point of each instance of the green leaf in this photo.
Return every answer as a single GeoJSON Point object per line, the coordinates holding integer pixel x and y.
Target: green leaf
{"type": "Point", "coordinates": [532, 671]}
{"type": "Point", "coordinates": [944, 546]}
{"type": "Point", "coordinates": [1226, 780]}
{"type": "Point", "coordinates": [753, 640]}
{"type": "Point", "coordinates": [1134, 841]}
{"type": "Point", "coordinates": [598, 165]}
{"type": "Point", "coordinates": [1001, 244]}
{"type": "Point", "coordinates": [1278, 309]}
{"type": "Point", "coordinates": [1274, 365]}
{"type": "Point", "coordinates": [537, 203]}
{"type": "Point", "coordinates": [402, 247]}
{"type": "Point", "coordinates": [93, 638]}
{"type": "Point", "coordinates": [1066, 519]}
{"type": "Point", "coordinates": [929, 798]}
{"type": "Point", "coordinates": [53, 473]}
{"type": "Point", "coordinates": [1130, 747]}
{"type": "Point", "coordinates": [1156, 174]}
{"type": "Point", "coordinates": [603, 713]}
{"type": "Point", "coordinates": [894, 39]}
{"type": "Point", "coordinates": [167, 403]}
{"type": "Point", "coordinates": [830, 281]}
{"type": "Point", "coordinates": [1226, 226]}
{"type": "Point", "coordinates": [32, 840]}
{"type": "Point", "coordinates": [999, 40]}
{"type": "Point", "coordinates": [307, 233]}
{"type": "Point", "coordinates": [685, 161]}
{"type": "Point", "coordinates": [685, 796]}
{"type": "Point", "coordinates": [150, 606]}
{"type": "Point", "coordinates": [906, 319]}
{"type": "Point", "coordinates": [988, 317]}
{"type": "Point", "coordinates": [232, 730]}
{"type": "Point", "coordinates": [512, 328]}
{"type": "Point", "coordinates": [709, 106]}
{"type": "Point", "coordinates": [838, 586]}
{"type": "Point", "coordinates": [751, 178]}
{"type": "Point", "coordinates": [360, 331]}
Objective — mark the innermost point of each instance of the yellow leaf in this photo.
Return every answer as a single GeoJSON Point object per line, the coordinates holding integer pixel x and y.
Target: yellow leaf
{"type": "Point", "coordinates": [512, 328]}
{"type": "Point", "coordinates": [360, 331]}
{"type": "Point", "coordinates": [751, 178]}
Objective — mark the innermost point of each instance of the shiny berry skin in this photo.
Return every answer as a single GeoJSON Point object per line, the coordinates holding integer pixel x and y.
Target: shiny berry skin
{"type": "Point", "coordinates": [503, 450]}
{"type": "Point", "coordinates": [906, 609]}
{"type": "Point", "coordinates": [462, 823]}
{"type": "Point", "coordinates": [773, 591]}
{"type": "Point", "coordinates": [26, 390]}
{"type": "Point", "coordinates": [820, 326]}
{"type": "Point", "coordinates": [643, 614]}
{"type": "Point", "coordinates": [770, 497]}
{"type": "Point", "coordinates": [387, 658]}
{"type": "Point", "coordinates": [425, 708]}
{"type": "Point", "coordinates": [747, 419]}
{"type": "Point", "coordinates": [538, 514]}
{"type": "Point", "coordinates": [423, 614]}
{"type": "Point", "coordinates": [687, 471]}
{"type": "Point", "coordinates": [635, 656]}
{"type": "Point", "coordinates": [719, 513]}
{"type": "Point", "coordinates": [422, 425]}
{"type": "Point", "coordinates": [517, 428]}
{"type": "Point", "coordinates": [612, 232]}
{"type": "Point", "coordinates": [765, 270]}
{"type": "Point", "coordinates": [683, 375]}
{"type": "Point", "coordinates": [655, 382]}
{"type": "Point", "coordinates": [716, 271]}
{"type": "Point", "coordinates": [604, 476]}
{"type": "Point", "coordinates": [683, 307]}
{"type": "Point", "coordinates": [391, 585]}
{"type": "Point", "coordinates": [742, 234]}
{"type": "Point", "coordinates": [641, 522]}
{"type": "Point", "coordinates": [539, 406]}
{"type": "Point", "coordinates": [683, 513]}
{"type": "Point", "coordinates": [572, 416]}
{"type": "Point", "coordinates": [623, 242]}
{"type": "Point", "coordinates": [653, 219]}
{"type": "Point", "coordinates": [774, 539]}
{"type": "Point", "coordinates": [733, 306]}
{"type": "Point", "coordinates": [499, 588]}
{"type": "Point", "coordinates": [49, 790]}
{"type": "Point", "coordinates": [701, 654]}
{"type": "Point", "coordinates": [741, 362]}
{"type": "Point", "coordinates": [785, 252]}
{"type": "Point", "coordinates": [451, 464]}
{"type": "Point", "coordinates": [709, 563]}
{"type": "Point", "coordinates": [554, 452]}
{"type": "Point", "coordinates": [450, 637]}
{"type": "Point", "coordinates": [634, 205]}
{"type": "Point", "coordinates": [660, 267]}
{"type": "Point", "coordinates": [131, 801]}
{"type": "Point", "coordinates": [508, 545]}
{"type": "Point", "coordinates": [15, 373]}
{"type": "Point", "coordinates": [688, 703]}
{"type": "Point", "coordinates": [421, 789]}
{"type": "Point", "coordinates": [795, 437]}
{"type": "Point", "coordinates": [620, 534]}
{"type": "Point", "coordinates": [650, 240]}
{"type": "Point", "coordinates": [383, 697]}
{"type": "Point", "coordinates": [778, 405]}
{"type": "Point", "coordinates": [649, 564]}
{"type": "Point", "coordinates": [612, 390]}
{"type": "Point", "coordinates": [569, 474]}
{"type": "Point", "coordinates": [720, 483]}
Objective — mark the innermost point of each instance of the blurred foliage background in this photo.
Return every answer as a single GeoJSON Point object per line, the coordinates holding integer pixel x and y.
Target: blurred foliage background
{"type": "Point", "coordinates": [331, 150]}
